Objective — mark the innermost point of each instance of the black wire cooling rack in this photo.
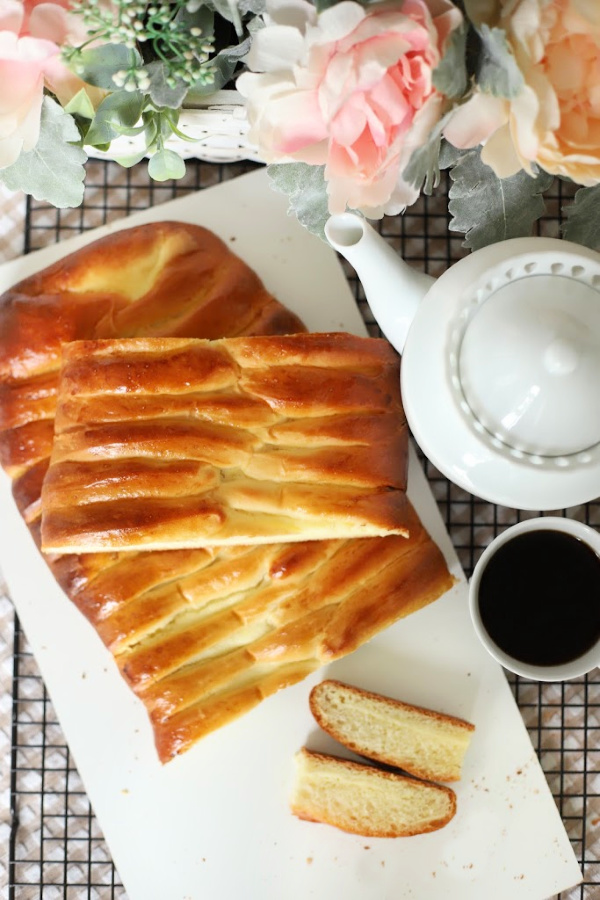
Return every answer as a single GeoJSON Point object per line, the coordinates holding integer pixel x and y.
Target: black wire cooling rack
{"type": "Point", "coordinates": [55, 847]}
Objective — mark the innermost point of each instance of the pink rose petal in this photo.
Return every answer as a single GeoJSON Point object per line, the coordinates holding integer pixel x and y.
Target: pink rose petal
{"type": "Point", "coordinates": [12, 13]}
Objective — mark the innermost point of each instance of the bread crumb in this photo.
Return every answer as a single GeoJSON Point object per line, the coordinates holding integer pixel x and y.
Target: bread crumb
{"type": "Point", "coordinates": [309, 860]}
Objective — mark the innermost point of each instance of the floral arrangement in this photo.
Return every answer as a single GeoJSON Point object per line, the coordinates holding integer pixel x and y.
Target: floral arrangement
{"type": "Point", "coordinates": [351, 105]}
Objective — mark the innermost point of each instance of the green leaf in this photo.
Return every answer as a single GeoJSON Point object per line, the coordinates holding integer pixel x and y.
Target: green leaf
{"type": "Point", "coordinates": [80, 105]}
{"type": "Point", "coordinates": [449, 155]}
{"type": "Point", "coordinates": [53, 171]}
{"type": "Point", "coordinates": [306, 190]}
{"type": "Point", "coordinates": [488, 209]}
{"type": "Point", "coordinates": [98, 65]}
{"type": "Point", "coordinates": [583, 218]}
{"type": "Point", "coordinates": [224, 65]}
{"type": "Point", "coordinates": [497, 70]}
{"type": "Point", "coordinates": [160, 92]}
{"type": "Point", "coordinates": [116, 114]}
{"type": "Point", "coordinates": [132, 160]}
{"type": "Point", "coordinates": [450, 76]}
{"type": "Point", "coordinates": [202, 17]}
{"type": "Point", "coordinates": [166, 164]}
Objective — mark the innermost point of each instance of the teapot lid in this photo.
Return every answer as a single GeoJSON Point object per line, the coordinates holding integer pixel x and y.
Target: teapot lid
{"type": "Point", "coordinates": [501, 374]}
{"type": "Point", "coordinates": [529, 359]}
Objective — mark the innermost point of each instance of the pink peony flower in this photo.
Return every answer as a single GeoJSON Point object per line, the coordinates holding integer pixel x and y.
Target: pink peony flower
{"type": "Point", "coordinates": [350, 88]}
{"type": "Point", "coordinates": [30, 37]}
{"type": "Point", "coordinates": [555, 119]}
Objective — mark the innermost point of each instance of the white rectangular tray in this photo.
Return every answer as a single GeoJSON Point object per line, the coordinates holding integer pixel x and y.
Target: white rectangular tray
{"type": "Point", "coordinates": [214, 823]}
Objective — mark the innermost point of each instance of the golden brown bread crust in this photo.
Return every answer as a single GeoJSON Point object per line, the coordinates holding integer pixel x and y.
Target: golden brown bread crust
{"type": "Point", "coordinates": [165, 278]}
{"type": "Point", "coordinates": [138, 601]}
{"type": "Point", "coordinates": [171, 443]}
{"type": "Point", "coordinates": [202, 636]}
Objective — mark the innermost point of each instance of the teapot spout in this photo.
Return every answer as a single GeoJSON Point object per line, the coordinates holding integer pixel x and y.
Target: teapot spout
{"type": "Point", "coordinates": [393, 288]}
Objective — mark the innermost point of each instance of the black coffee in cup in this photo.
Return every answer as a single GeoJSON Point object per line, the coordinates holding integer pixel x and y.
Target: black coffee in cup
{"type": "Point", "coordinates": [539, 597]}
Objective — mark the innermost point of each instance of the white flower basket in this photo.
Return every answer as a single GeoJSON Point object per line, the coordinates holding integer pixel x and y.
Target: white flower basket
{"type": "Point", "coordinates": [219, 131]}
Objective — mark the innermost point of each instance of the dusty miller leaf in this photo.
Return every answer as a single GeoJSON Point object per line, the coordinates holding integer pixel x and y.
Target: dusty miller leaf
{"type": "Point", "coordinates": [449, 155]}
{"type": "Point", "coordinates": [53, 171]}
{"type": "Point", "coordinates": [306, 190]}
{"type": "Point", "coordinates": [583, 218]}
{"type": "Point", "coordinates": [254, 7]}
{"type": "Point", "coordinates": [230, 11]}
{"type": "Point", "coordinates": [488, 209]}
{"type": "Point", "coordinates": [450, 76]}
{"type": "Point", "coordinates": [423, 169]}
{"type": "Point", "coordinates": [497, 70]}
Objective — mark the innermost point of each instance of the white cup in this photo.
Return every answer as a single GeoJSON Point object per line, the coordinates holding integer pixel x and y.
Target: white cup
{"type": "Point", "coordinates": [561, 672]}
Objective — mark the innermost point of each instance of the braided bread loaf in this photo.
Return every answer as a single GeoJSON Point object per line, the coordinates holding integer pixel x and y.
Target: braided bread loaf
{"type": "Point", "coordinates": [201, 635]}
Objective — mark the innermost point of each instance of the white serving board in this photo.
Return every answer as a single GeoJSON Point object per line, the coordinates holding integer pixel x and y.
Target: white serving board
{"type": "Point", "coordinates": [214, 823]}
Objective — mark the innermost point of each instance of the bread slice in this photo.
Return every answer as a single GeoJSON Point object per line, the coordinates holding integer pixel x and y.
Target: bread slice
{"type": "Point", "coordinates": [166, 444]}
{"type": "Point", "coordinates": [364, 800]}
{"type": "Point", "coordinates": [425, 743]}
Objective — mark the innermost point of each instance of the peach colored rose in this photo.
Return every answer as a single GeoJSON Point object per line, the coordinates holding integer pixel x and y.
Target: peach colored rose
{"type": "Point", "coordinates": [31, 34]}
{"type": "Point", "coordinates": [350, 88]}
{"type": "Point", "coordinates": [555, 119]}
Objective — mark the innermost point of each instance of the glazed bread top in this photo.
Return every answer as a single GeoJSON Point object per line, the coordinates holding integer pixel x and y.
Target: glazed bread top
{"type": "Point", "coordinates": [165, 278]}
{"type": "Point", "coordinates": [169, 443]}
{"type": "Point", "coordinates": [202, 636]}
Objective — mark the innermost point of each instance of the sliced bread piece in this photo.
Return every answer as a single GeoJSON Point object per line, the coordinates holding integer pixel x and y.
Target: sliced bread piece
{"type": "Point", "coordinates": [364, 800]}
{"type": "Point", "coordinates": [425, 743]}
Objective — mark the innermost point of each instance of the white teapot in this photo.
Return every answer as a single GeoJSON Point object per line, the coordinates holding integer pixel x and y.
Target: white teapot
{"type": "Point", "coordinates": [500, 369]}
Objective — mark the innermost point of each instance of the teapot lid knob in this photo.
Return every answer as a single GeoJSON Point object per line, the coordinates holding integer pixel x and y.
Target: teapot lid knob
{"type": "Point", "coordinates": [561, 357]}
